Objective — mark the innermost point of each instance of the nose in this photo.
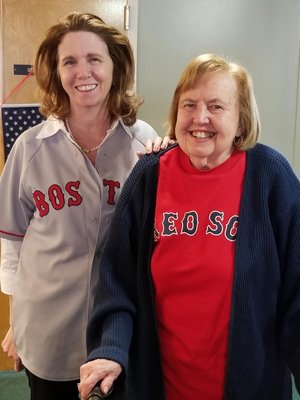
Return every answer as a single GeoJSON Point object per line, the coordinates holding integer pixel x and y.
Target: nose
{"type": "Point", "coordinates": [83, 70]}
{"type": "Point", "coordinates": [201, 115]}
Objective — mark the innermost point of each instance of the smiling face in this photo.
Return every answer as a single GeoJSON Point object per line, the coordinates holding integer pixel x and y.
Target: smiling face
{"type": "Point", "coordinates": [208, 120]}
{"type": "Point", "coordinates": [85, 69]}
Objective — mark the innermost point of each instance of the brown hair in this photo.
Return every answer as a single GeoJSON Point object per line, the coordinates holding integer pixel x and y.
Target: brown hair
{"type": "Point", "coordinates": [211, 64]}
{"type": "Point", "coordinates": [122, 102]}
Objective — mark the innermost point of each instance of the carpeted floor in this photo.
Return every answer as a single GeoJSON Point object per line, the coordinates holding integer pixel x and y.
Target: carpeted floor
{"type": "Point", "coordinates": [13, 386]}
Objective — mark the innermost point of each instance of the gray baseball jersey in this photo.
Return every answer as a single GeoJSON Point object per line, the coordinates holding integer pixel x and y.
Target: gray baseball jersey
{"type": "Point", "coordinates": [60, 206]}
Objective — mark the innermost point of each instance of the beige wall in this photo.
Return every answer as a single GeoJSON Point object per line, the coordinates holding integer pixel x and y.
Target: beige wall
{"type": "Point", "coordinates": [262, 35]}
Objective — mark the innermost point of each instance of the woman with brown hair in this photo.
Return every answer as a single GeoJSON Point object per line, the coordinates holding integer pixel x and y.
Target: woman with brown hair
{"type": "Point", "coordinates": [58, 192]}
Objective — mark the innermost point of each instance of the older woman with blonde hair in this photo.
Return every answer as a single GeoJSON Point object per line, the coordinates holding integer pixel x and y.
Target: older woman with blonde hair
{"type": "Point", "coordinates": [199, 295]}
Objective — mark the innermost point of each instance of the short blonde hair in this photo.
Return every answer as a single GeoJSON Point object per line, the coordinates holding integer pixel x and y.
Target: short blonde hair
{"type": "Point", "coordinates": [212, 64]}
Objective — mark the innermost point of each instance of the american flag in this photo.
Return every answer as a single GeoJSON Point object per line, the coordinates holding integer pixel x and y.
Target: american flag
{"type": "Point", "coordinates": [16, 118]}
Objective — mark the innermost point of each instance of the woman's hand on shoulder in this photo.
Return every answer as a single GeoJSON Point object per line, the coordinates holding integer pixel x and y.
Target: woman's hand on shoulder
{"type": "Point", "coordinates": [158, 144]}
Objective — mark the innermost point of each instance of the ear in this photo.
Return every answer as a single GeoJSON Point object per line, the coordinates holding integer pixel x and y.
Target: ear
{"type": "Point", "coordinates": [239, 131]}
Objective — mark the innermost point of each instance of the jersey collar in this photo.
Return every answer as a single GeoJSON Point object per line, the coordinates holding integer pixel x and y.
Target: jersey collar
{"type": "Point", "coordinates": [52, 125]}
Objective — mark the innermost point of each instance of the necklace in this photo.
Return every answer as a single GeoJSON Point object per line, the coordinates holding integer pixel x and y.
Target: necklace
{"type": "Point", "coordinates": [86, 151]}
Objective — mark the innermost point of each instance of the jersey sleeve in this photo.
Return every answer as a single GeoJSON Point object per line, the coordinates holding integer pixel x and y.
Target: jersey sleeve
{"type": "Point", "coordinates": [16, 205]}
{"type": "Point", "coordinates": [142, 131]}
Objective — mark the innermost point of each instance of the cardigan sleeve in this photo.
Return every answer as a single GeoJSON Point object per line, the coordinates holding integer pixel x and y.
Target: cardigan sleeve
{"type": "Point", "coordinates": [111, 325]}
{"type": "Point", "coordinates": [284, 210]}
{"type": "Point", "coordinates": [110, 328]}
{"type": "Point", "coordinates": [264, 332]}
{"type": "Point", "coordinates": [290, 297]}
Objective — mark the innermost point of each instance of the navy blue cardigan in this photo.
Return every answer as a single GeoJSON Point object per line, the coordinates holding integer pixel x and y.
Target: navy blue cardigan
{"type": "Point", "coordinates": [264, 337]}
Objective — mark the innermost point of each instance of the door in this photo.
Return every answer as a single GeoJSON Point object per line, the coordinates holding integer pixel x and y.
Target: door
{"type": "Point", "coordinates": [23, 25]}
